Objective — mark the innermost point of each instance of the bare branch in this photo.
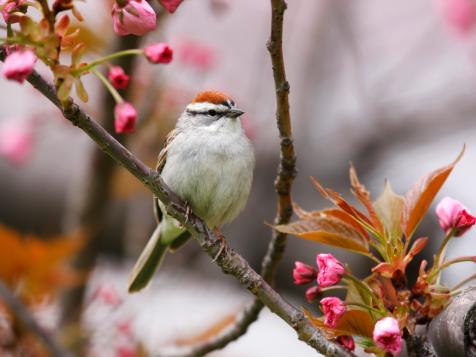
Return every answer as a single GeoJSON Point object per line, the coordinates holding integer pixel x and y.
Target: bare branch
{"type": "Point", "coordinates": [22, 313]}
{"type": "Point", "coordinates": [229, 260]}
{"type": "Point", "coordinates": [453, 331]}
{"type": "Point", "coordinates": [283, 183]}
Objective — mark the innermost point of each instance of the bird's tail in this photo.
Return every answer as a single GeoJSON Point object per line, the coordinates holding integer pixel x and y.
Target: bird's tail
{"type": "Point", "coordinates": [148, 262]}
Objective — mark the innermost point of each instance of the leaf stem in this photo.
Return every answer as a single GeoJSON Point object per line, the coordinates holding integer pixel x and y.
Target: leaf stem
{"type": "Point", "coordinates": [462, 282]}
{"type": "Point", "coordinates": [107, 58]}
{"type": "Point", "coordinates": [367, 307]}
{"type": "Point", "coordinates": [117, 97]}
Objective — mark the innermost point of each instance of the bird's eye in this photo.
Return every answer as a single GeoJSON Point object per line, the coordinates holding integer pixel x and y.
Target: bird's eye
{"type": "Point", "coordinates": [212, 112]}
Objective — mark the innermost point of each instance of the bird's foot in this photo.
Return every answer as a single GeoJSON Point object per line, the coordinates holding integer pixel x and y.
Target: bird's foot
{"type": "Point", "coordinates": [217, 232]}
{"type": "Point", "coordinates": [188, 210]}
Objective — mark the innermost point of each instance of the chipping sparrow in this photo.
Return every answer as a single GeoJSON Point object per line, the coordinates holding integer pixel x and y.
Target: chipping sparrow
{"type": "Point", "coordinates": [208, 161]}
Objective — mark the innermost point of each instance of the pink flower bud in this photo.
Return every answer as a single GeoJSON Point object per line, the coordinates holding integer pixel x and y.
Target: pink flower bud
{"type": "Point", "coordinates": [159, 53]}
{"type": "Point", "coordinates": [453, 215]}
{"type": "Point", "coordinates": [312, 293]}
{"type": "Point", "coordinates": [10, 7]}
{"type": "Point", "coordinates": [125, 118]}
{"type": "Point", "coordinates": [136, 17]}
{"type": "Point", "coordinates": [387, 335]}
{"type": "Point", "coordinates": [347, 342]}
{"type": "Point", "coordinates": [333, 309]}
{"type": "Point", "coordinates": [459, 14]}
{"type": "Point", "coordinates": [118, 78]}
{"type": "Point", "coordinates": [303, 273]}
{"type": "Point", "coordinates": [16, 140]}
{"type": "Point", "coordinates": [170, 5]}
{"type": "Point", "coordinates": [18, 65]}
{"type": "Point", "coordinates": [126, 351]}
{"type": "Point", "coordinates": [330, 270]}
{"type": "Point", "coordinates": [107, 294]}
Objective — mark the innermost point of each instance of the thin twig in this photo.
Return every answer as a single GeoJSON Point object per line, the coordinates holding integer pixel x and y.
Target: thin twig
{"type": "Point", "coordinates": [229, 260]}
{"type": "Point", "coordinates": [22, 314]}
{"type": "Point", "coordinates": [283, 183]}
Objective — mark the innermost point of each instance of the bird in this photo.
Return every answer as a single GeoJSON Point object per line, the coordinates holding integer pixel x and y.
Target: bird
{"type": "Point", "coordinates": [208, 161]}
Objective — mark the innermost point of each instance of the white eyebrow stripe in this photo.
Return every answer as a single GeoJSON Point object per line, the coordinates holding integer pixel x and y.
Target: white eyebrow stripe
{"type": "Point", "coordinates": [205, 106]}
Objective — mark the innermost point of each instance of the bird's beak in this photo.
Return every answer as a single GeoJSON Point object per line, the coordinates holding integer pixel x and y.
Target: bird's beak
{"type": "Point", "coordinates": [234, 113]}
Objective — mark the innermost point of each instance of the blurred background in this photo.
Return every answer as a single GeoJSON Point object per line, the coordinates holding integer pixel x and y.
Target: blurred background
{"type": "Point", "coordinates": [388, 86]}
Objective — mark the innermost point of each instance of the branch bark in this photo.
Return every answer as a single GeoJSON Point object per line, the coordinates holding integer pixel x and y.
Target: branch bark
{"type": "Point", "coordinates": [283, 184]}
{"type": "Point", "coordinates": [24, 316]}
{"type": "Point", "coordinates": [453, 331]}
{"type": "Point", "coordinates": [229, 260]}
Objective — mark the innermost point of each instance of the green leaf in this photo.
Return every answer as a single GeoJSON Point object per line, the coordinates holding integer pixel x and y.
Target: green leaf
{"type": "Point", "coordinates": [389, 208]}
{"type": "Point", "coordinates": [420, 196]}
{"type": "Point", "coordinates": [327, 230]}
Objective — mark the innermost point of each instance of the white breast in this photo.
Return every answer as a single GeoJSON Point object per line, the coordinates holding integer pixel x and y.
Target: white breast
{"type": "Point", "coordinates": [212, 170]}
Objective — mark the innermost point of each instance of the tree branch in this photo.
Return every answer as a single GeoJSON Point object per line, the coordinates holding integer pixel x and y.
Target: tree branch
{"type": "Point", "coordinates": [283, 184]}
{"type": "Point", "coordinates": [22, 314]}
{"type": "Point", "coordinates": [453, 331]}
{"type": "Point", "coordinates": [229, 260]}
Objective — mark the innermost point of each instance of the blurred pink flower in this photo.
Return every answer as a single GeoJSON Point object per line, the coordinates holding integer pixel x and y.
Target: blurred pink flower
{"type": "Point", "coordinates": [159, 53]}
{"type": "Point", "coordinates": [452, 214]}
{"type": "Point", "coordinates": [170, 5]}
{"type": "Point", "coordinates": [333, 309]}
{"type": "Point", "coordinates": [18, 65]}
{"type": "Point", "coordinates": [125, 118]}
{"type": "Point", "coordinates": [387, 335]}
{"type": "Point", "coordinates": [312, 293]}
{"type": "Point", "coordinates": [347, 342]}
{"type": "Point", "coordinates": [135, 17]}
{"type": "Point", "coordinates": [16, 140]}
{"type": "Point", "coordinates": [459, 14]}
{"type": "Point", "coordinates": [126, 351]}
{"type": "Point", "coordinates": [118, 78]}
{"type": "Point", "coordinates": [196, 55]}
{"type": "Point", "coordinates": [303, 273]}
{"type": "Point", "coordinates": [330, 270]}
{"type": "Point", "coordinates": [107, 294]}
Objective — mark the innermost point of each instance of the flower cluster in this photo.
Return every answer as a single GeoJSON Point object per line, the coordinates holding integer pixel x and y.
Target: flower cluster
{"type": "Point", "coordinates": [383, 307]}
{"type": "Point", "coordinates": [46, 38]}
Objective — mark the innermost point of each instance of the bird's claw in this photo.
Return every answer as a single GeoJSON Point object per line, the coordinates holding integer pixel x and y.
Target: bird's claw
{"type": "Point", "coordinates": [222, 244]}
{"type": "Point", "coordinates": [187, 212]}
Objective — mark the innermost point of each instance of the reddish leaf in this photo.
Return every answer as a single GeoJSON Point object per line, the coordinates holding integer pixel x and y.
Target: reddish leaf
{"type": "Point", "coordinates": [327, 230]}
{"type": "Point", "coordinates": [363, 196]}
{"type": "Point", "coordinates": [353, 322]}
{"type": "Point", "coordinates": [339, 201]}
{"type": "Point", "coordinates": [416, 248]}
{"type": "Point", "coordinates": [389, 208]}
{"type": "Point", "coordinates": [420, 196]}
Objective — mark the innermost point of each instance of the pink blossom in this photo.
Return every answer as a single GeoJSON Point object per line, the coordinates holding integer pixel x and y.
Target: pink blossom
{"type": "Point", "coordinates": [136, 17]}
{"type": "Point", "coordinates": [459, 14]}
{"type": "Point", "coordinates": [10, 7]}
{"type": "Point", "coordinates": [333, 309]}
{"type": "Point", "coordinates": [18, 65]}
{"type": "Point", "coordinates": [118, 78]}
{"type": "Point", "coordinates": [170, 5]}
{"type": "Point", "coordinates": [16, 140]}
{"type": "Point", "coordinates": [347, 342]}
{"type": "Point", "coordinates": [453, 215]}
{"type": "Point", "coordinates": [303, 273]}
{"type": "Point", "coordinates": [159, 53]}
{"type": "Point", "coordinates": [108, 295]}
{"type": "Point", "coordinates": [196, 55]}
{"type": "Point", "coordinates": [125, 118]}
{"type": "Point", "coordinates": [330, 270]}
{"type": "Point", "coordinates": [126, 351]}
{"type": "Point", "coordinates": [312, 293]}
{"type": "Point", "coordinates": [387, 335]}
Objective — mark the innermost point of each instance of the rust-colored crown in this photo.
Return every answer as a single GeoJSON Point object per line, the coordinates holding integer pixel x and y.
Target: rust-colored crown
{"type": "Point", "coordinates": [211, 96]}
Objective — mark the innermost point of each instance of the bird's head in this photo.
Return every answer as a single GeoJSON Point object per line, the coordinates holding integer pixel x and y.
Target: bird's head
{"type": "Point", "coordinates": [211, 109]}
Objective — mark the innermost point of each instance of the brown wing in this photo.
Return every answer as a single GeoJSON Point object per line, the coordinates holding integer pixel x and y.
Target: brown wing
{"type": "Point", "coordinates": [161, 160]}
